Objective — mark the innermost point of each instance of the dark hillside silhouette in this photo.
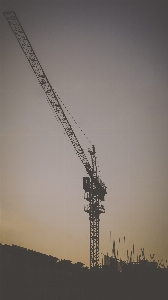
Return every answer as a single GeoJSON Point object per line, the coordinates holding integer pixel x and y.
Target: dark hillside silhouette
{"type": "Point", "coordinates": [29, 275]}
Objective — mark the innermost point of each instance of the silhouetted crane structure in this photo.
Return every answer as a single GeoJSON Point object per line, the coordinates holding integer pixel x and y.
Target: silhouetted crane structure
{"type": "Point", "coordinates": [95, 189]}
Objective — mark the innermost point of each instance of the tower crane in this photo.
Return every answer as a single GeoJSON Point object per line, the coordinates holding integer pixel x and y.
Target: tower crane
{"type": "Point", "coordinates": [93, 186]}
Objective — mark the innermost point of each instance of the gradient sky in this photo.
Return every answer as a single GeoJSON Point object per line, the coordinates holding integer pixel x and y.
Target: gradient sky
{"type": "Point", "coordinates": [108, 62]}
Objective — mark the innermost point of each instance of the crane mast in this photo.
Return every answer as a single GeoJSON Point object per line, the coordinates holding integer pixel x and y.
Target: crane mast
{"type": "Point", "coordinates": [95, 189]}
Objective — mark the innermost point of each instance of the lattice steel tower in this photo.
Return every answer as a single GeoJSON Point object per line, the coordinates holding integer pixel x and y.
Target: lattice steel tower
{"type": "Point", "coordinates": [95, 189]}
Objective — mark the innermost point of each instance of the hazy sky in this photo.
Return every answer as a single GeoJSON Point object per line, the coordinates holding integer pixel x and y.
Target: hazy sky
{"type": "Point", "coordinates": [108, 62]}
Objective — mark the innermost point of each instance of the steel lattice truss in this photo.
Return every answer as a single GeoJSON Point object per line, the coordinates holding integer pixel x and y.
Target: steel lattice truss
{"type": "Point", "coordinates": [52, 98]}
{"type": "Point", "coordinates": [94, 195]}
{"type": "Point", "coordinates": [97, 188]}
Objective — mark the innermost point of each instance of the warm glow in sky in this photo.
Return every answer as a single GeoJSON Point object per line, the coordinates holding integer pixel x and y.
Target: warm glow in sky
{"type": "Point", "coordinates": [107, 61]}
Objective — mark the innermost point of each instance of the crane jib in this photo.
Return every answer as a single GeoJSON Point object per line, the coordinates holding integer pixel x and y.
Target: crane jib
{"type": "Point", "coordinates": [45, 84]}
{"type": "Point", "coordinates": [43, 80]}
